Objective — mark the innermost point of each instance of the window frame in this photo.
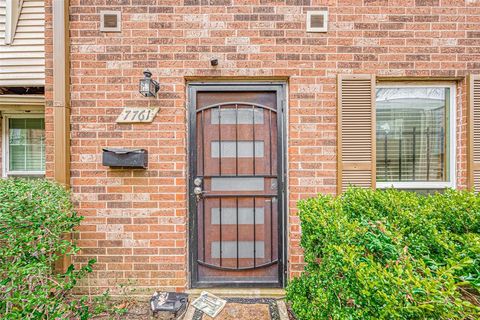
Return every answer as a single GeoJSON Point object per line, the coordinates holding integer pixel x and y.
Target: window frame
{"type": "Point", "coordinates": [6, 145]}
{"type": "Point", "coordinates": [451, 135]}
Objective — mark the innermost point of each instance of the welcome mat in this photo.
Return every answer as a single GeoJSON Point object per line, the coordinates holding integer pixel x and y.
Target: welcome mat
{"type": "Point", "coordinates": [244, 308]}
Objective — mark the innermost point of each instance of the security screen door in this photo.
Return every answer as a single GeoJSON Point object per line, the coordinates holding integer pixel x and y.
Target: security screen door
{"type": "Point", "coordinates": [236, 183]}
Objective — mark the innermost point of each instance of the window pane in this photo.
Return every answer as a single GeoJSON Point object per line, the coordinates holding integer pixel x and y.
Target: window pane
{"type": "Point", "coordinates": [244, 116]}
{"type": "Point", "coordinates": [17, 132]}
{"type": "Point", "coordinates": [412, 127]}
{"type": "Point", "coordinates": [245, 216]}
{"type": "Point", "coordinates": [26, 144]}
{"type": "Point", "coordinates": [244, 148]}
{"type": "Point", "coordinates": [35, 158]}
{"type": "Point", "coordinates": [245, 249]}
{"type": "Point", "coordinates": [238, 184]}
{"type": "Point", "coordinates": [17, 158]}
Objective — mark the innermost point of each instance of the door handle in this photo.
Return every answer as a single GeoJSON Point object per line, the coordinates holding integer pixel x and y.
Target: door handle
{"type": "Point", "coordinates": [198, 192]}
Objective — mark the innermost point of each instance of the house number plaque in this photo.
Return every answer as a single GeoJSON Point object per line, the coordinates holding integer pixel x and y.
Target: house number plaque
{"type": "Point", "coordinates": [137, 115]}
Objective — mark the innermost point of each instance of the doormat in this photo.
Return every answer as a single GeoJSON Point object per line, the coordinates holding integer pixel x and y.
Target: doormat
{"type": "Point", "coordinates": [245, 308]}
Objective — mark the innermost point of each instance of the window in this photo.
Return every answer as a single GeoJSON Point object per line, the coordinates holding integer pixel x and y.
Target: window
{"type": "Point", "coordinates": [24, 145]}
{"type": "Point", "coordinates": [415, 136]}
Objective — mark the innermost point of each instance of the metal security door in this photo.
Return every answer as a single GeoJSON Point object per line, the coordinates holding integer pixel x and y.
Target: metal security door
{"type": "Point", "coordinates": [236, 183]}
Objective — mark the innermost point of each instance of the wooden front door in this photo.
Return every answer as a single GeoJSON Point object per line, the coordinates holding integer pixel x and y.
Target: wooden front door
{"type": "Point", "coordinates": [236, 185]}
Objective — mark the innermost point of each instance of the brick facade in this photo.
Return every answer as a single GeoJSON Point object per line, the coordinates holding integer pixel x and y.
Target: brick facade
{"type": "Point", "coordinates": [136, 221]}
{"type": "Point", "coordinates": [1, 147]}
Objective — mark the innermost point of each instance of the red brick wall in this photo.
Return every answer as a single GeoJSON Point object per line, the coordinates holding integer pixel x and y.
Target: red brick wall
{"type": "Point", "coordinates": [1, 144]}
{"type": "Point", "coordinates": [135, 221]}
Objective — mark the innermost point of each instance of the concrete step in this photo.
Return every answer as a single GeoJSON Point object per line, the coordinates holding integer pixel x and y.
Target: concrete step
{"type": "Point", "coordinates": [240, 292]}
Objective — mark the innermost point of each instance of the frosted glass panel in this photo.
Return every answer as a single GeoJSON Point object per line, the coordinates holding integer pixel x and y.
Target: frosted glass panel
{"type": "Point", "coordinates": [238, 184]}
{"type": "Point", "coordinates": [245, 249]}
{"type": "Point", "coordinates": [245, 149]}
{"type": "Point", "coordinates": [245, 216]}
{"type": "Point", "coordinates": [244, 116]}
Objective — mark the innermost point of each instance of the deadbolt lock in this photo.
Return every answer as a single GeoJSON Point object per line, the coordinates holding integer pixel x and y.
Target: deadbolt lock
{"type": "Point", "coordinates": [197, 182]}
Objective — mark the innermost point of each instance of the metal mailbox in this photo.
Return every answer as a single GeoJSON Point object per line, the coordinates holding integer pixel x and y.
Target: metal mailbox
{"type": "Point", "coordinates": [127, 158]}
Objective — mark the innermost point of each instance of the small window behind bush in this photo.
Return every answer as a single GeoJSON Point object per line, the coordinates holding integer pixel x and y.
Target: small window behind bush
{"type": "Point", "coordinates": [25, 146]}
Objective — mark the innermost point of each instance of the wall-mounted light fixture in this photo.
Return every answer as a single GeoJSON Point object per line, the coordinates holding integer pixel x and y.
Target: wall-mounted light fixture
{"type": "Point", "coordinates": [148, 87]}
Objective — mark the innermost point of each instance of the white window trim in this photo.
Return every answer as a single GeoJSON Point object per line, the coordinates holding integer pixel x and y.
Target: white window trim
{"type": "Point", "coordinates": [452, 164]}
{"type": "Point", "coordinates": [5, 145]}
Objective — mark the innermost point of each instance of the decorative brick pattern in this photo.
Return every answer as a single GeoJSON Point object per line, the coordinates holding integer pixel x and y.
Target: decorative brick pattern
{"type": "Point", "coordinates": [136, 221]}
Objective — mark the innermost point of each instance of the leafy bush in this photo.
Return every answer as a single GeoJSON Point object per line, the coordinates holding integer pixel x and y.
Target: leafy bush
{"type": "Point", "coordinates": [389, 255]}
{"type": "Point", "coordinates": [35, 217]}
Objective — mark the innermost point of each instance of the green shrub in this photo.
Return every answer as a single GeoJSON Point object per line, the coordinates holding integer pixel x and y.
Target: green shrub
{"type": "Point", "coordinates": [389, 255]}
{"type": "Point", "coordinates": [35, 216]}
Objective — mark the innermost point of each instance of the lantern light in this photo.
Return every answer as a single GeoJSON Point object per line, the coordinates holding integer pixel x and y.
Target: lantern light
{"type": "Point", "coordinates": [148, 87]}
